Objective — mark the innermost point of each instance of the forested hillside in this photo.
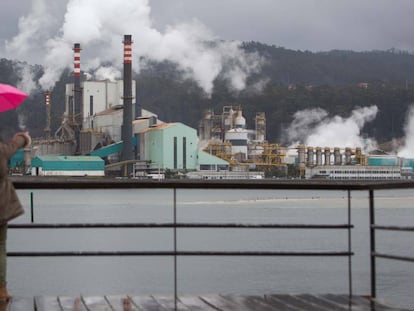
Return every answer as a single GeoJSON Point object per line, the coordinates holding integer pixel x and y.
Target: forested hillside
{"type": "Point", "coordinates": [288, 81]}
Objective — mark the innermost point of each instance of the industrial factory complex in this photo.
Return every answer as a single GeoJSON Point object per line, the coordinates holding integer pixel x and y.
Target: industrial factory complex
{"type": "Point", "coordinates": [105, 132]}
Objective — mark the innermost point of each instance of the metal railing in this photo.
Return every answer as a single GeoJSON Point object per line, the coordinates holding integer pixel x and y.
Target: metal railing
{"type": "Point", "coordinates": [373, 253]}
{"type": "Point", "coordinates": [103, 183]}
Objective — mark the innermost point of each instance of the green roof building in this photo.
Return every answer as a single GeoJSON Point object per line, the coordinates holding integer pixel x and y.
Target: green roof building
{"type": "Point", "coordinates": [174, 146]}
{"type": "Point", "coordinates": [56, 165]}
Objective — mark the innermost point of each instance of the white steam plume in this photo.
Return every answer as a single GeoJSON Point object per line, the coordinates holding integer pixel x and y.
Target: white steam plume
{"type": "Point", "coordinates": [407, 151]}
{"type": "Point", "coordinates": [314, 128]}
{"type": "Point", "coordinates": [304, 120]}
{"type": "Point", "coordinates": [108, 73]}
{"type": "Point", "coordinates": [26, 73]}
{"type": "Point", "coordinates": [34, 29]}
{"type": "Point", "coordinates": [99, 27]}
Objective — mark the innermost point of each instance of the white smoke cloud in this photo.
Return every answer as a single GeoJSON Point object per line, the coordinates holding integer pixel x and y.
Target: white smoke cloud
{"type": "Point", "coordinates": [407, 151]}
{"type": "Point", "coordinates": [108, 73]}
{"type": "Point", "coordinates": [99, 27]}
{"type": "Point", "coordinates": [33, 31]}
{"type": "Point", "coordinates": [314, 128]}
{"type": "Point", "coordinates": [304, 120]}
{"type": "Point", "coordinates": [26, 73]}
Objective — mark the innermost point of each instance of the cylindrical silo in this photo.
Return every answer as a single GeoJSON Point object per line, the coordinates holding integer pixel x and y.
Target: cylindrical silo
{"type": "Point", "coordinates": [240, 121]}
{"type": "Point", "coordinates": [238, 140]}
{"type": "Point", "coordinates": [301, 156]}
{"type": "Point", "coordinates": [310, 157]}
{"type": "Point", "coordinates": [337, 156]}
{"type": "Point", "coordinates": [318, 156]}
{"type": "Point", "coordinates": [348, 154]}
{"type": "Point", "coordinates": [327, 153]}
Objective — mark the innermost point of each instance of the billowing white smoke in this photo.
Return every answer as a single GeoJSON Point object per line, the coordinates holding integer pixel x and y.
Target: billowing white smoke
{"type": "Point", "coordinates": [26, 83]}
{"type": "Point", "coordinates": [99, 27]}
{"type": "Point", "coordinates": [314, 128]}
{"type": "Point", "coordinates": [108, 73]}
{"type": "Point", "coordinates": [407, 151]}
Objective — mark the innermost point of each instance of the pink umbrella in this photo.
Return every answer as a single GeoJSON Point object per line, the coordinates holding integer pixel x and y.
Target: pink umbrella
{"type": "Point", "coordinates": [10, 97]}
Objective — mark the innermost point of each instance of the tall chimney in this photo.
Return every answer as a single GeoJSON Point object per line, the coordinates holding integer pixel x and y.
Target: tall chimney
{"type": "Point", "coordinates": [47, 129]}
{"type": "Point", "coordinates": [127, 151]}
{"type": "Point", "coordinates": [138, 107]}
{"type": "Point", "coordinates": [77, 96]}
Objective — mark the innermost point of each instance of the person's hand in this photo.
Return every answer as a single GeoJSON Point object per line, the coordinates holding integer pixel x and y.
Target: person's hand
{"type": "Point", "coordinates": [26, 136]}
{"type": "Point", "coordinates": [28, 139]}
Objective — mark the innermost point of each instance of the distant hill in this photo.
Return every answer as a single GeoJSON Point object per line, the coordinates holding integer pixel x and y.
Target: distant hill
{"type": "Point", "coordinates": [337, 81]}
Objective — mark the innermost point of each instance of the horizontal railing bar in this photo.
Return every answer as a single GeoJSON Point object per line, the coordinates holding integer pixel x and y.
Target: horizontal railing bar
{"type": "Point", "coordinates": [387, 256]}
{"type": "Point", "coordinates": [172, 253]}
{"type": "Point", "coordinates": [178, 225]}
{"type": "Point", "coordinates": [393, 228]}
{"type": "Point", "coordinates": [43, 182]}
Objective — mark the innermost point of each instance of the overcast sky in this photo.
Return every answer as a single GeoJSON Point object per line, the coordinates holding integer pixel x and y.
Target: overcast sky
{"type": "Point", "coordinates": [44, 31]}
{"type": "Point", "coordinates": [314, 25]}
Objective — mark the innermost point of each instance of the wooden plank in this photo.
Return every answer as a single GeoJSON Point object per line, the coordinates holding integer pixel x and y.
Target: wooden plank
{"type": "Point", "coordinates": [322, 303]}
{"type": "Point", "coordinates": [47, 303]}
{"type": "Point", "coordinates": [194, 303]}
{"type": "Point", "coordinates": [168, 303]}
{"type": "Point", "coordinates": [249, 302]}
{"type": "Point", "coordinates": [363, 303]}
{"type": "Point", "coordinates": [224, 304]}
{"type": "Point", "coordinates": [98, 303]}
{"type": "Point", "coordinates": [71, 303]}
{"type": "Point", "coordinates": [385, 304]}
{"type": "Point", "coordinates": [20, 304]}
{"type": "Point", "coordinates": [120, 303]}
{"type": "Point", "coordinates": [296, 302]}
{"type": "Point", "coordinates": [147, 303]}
{"type": "Point", "coordinates": [279, 304]}
{"type": "Point", "coordinates": [345, 301]}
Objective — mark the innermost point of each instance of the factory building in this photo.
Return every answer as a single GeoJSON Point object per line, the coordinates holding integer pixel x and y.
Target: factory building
{"type": "Point", "coordinates": [53, 165]}
{"type": "Point", "coordinates": [354, 172]}
{"type": "Point", "coordinates": [102, 118]}
{"type": "Point", "coordinates": [226, 136]}
{"type": "Point", "coordinates": [347, 164]}
{"type": "Point", "coordinates": [174, 146]}
{"type": "Point", "coordinates": [97, 96]}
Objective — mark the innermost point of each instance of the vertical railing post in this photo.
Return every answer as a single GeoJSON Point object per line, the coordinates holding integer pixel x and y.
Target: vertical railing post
{"type": "Point", "coordinates": [31, 207]}
{"type": "Point", "coordinates": [349, 246]}
{"type": "Point", "coordinates": [372, 243]}
{"type": "Point", "coordinates": [175, 249]}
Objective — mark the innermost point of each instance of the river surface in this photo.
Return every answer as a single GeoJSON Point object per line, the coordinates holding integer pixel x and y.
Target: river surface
{"type": "Point", "coordinates": [202, 275]}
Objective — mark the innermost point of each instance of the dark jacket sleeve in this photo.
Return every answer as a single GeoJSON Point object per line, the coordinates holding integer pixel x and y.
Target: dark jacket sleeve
{"type": "Point", "coordinates": [7, 150]}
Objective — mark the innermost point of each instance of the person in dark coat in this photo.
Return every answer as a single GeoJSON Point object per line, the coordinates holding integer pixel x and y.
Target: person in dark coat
{"type": "Point", "coordinates": [10, 206]}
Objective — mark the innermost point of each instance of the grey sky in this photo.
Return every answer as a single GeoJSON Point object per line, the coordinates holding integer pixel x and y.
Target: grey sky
{"type": "Point", "coordinates": [297, 24]}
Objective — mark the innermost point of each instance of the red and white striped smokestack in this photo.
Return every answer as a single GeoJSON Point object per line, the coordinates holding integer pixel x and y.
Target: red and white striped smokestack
{"type": "Point", "coordinates": [77, 95]}
{"type": "Point", "coordinates": [127, 49]}
{"type": "Point", "coordinates": [76, 60]}
{"type": "Point", "coordinates": [127, 150]}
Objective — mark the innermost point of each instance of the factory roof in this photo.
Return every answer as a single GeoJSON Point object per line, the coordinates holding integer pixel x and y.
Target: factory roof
{"type": "Point", "coordinates": [62, 162]}
{"type": "Point", "coordinates": [108, 111]}
{"type": "Point", "coordinates": [159, 127]}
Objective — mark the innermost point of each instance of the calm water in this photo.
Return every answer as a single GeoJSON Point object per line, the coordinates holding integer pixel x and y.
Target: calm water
{"type": "Point", "coordinates": [239, 275]}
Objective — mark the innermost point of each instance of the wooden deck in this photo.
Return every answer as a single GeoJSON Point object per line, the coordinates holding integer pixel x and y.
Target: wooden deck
{"type": "Point", "coordinates": [304, 302]}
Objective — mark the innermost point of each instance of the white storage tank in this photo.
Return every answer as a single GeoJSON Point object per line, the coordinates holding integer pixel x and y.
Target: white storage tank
{"type": "Point", "coordinates": [238, 140]}
{"type": "Point", "coordinates": [240, 122]}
